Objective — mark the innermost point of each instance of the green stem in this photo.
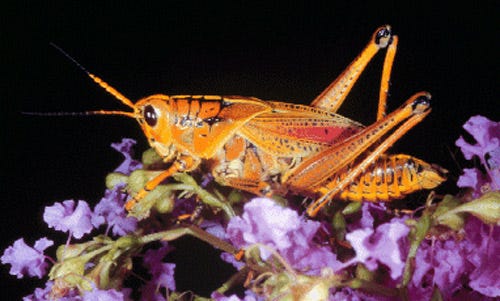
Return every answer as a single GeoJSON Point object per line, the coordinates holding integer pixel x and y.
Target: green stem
{"type": "Point", "coordinates": [192, 230]}
{"type": "Point", "coordinates": [238, 277]}
{"type": "Point", "coordinates": [416, 235]}
{"type": "Point", "coordinates": [91, 254]}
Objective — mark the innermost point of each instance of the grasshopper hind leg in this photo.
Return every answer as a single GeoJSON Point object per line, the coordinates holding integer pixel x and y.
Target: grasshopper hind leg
{"type": "Point", "coordinates": [338, 157]}
{"type": "Point", "coordinates": [334, 95]}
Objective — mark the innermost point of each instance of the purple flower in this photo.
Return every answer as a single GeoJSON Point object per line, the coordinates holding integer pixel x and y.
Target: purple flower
{"type": "Point", "coordinates": [474, 179]}
{"type": "Point", "coordinates": [66, 218]}
{"type": "Point", "coordinates": [346, 294]}
{"type": "Point", "coordinates": [45, 294]}
{"type": "Point", "coordinates": [26, 260]}
{"type": "Point", "coordinates": [249, 296]}
{"type": "Point", "coordinates": [485, 132]}
{"type": "Point", "coordinates": [151, 292]}
{"type": "Point", "coordinates": [162, 274]}
{"type": "Point", "coordinates": [125, 148]}
{"type": "Point", "coordinates": [229, 258]}
{"type": "Point", "coordinates": [494, 160]}
{"type": "Point", "coordinates": [450, 266]}
{"type": "Point", "coordinates": [106, 295]}
{"type": "Point", "coordinates": [441, 265]}
{"type": "Point", "coordinates": [487, 149]}
{"type": "Point", "coordinates": [52, 292]}
{"type": "Point", "coordinates": [370, 215]}
{"type": "Point", "coordinates": [40, 294]}
{"type": "Point", "coordinates": [485, 279]}
{"type": "Point", "coordinates": [381, 245]}
{"type": "Point", "coordinates": [454, 265]}
{"type": "Point", "coordinates": [110, 210]}
{"type": "Point", "coordinates": [265, 222]}
{"type": "Point", "coordinates": [213, 227]}
{"type": "Point", "coordinates": [483, 249]}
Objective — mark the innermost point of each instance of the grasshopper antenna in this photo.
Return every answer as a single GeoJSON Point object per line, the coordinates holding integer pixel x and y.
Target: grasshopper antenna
{"type": "Point", "coordinates": [69, 57]}
{"type": "Point", "coordinates": [97, 80]}
{"type": "Point", "coordinates": [85, 113]}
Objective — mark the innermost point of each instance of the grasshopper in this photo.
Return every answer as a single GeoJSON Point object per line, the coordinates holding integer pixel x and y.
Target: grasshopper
{"type": "Point", "coordinates": [268, 147]}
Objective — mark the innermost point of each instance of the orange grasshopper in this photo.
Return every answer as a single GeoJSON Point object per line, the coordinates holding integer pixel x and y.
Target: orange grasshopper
{"type": "Point", "coordinates": [267, 147]}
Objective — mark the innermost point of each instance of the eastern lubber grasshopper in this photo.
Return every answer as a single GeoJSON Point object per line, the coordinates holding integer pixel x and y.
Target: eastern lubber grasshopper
{"type": "Point", "coordinates": [267, 147]}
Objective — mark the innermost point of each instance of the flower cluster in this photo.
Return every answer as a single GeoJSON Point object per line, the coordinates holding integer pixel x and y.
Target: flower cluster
{"type": "Point", "coordinates": [77, 219]}
{"type": "Point", "coordinates": [446, 249]}
{"type": "Point", "coordinates": [281, 229]}
{"type": "Point", "coordinates": [81, 220]}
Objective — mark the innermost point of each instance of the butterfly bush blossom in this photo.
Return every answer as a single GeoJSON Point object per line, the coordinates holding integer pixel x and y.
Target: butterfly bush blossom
{"type": "Point", "coordinates": [449, 249]}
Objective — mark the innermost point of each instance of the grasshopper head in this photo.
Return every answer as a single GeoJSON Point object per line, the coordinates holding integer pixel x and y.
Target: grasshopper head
{"type": "Point", "coordinates": [152, 113]}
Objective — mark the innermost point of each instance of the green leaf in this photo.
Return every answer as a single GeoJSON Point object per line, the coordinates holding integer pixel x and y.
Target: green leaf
{"type": "Point", "coordinates": [446, 215]}
{"type": "Point", "coordinates": [486, 208]}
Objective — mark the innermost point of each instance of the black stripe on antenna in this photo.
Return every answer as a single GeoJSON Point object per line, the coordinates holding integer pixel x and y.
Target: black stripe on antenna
{"type": "Point", "coordinates": [69, 57]}
{"type": "Point", "coordinates": [57, 113]}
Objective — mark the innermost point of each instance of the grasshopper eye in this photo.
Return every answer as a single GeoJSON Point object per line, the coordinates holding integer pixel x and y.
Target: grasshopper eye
{"type": "Point", "coordinates": [150, 116]}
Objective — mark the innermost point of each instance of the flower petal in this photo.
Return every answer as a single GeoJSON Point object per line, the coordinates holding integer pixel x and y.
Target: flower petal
{"type": "Point", "coordinates": [125, 148]}
{"type": "Point", "coordinates": [25, 260]}
{"type": "Point", "coordinates": [64, 217]}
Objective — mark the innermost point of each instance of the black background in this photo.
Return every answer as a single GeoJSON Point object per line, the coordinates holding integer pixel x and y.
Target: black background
{"type": "Point", "coordinates": [287, 52]}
